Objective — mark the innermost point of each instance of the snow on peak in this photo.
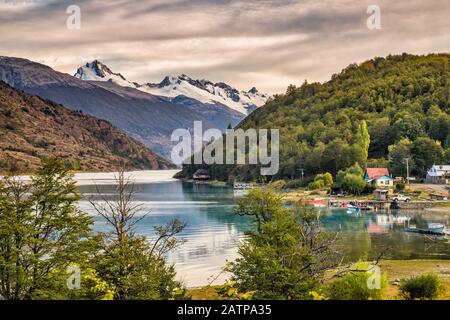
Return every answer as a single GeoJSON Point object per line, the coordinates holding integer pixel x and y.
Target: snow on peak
{"type": "Point", "coordinates": [97, 71]}
{"type": "Point", "coordinates": [172, 86]}
{"type": "Point", "coordinates": [208, 92]}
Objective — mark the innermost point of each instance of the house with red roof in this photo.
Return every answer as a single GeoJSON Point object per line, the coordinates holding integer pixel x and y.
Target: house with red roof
{"type": "Point", "coordinates": [379, 177]}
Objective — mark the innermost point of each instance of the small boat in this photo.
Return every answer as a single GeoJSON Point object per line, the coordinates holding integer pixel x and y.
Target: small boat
{"type": "Point", "coordinates": [433, 228]}
{"type": "Point", "coordinates": [436, 227]}
{"type": "Point", "coordinates": [352, 209]}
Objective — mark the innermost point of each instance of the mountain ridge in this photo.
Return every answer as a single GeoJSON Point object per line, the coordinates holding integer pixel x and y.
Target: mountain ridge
{"type": "Point", "coordinates": [172, 86]}
{"type": "Point", "coordinates": [148, 118]}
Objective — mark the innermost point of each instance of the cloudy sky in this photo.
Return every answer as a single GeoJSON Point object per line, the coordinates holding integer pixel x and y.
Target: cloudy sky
{"type": "Point", "coordinates": [264, 43]}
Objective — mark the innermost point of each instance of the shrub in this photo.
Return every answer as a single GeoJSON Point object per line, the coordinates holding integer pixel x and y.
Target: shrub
{"type": "Point", "coordinates": [318, 184]}
{"type": "Point", "coordinates": [354, 286]}
{"type": "Point", "coordinates": [353, 183]}
{"type": "Point", "coordinates": [421, 287]}
{"type": "Point", "coordinates": [400, 186]}
{"type": "Point", "coordinates": [323, 180]}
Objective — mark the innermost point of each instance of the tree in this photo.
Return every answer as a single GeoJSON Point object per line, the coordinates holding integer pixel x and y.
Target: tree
{"type": "Point", "coordinates": [438, 124]}
{"type": "Point", "coordinates": [42, 232]}
{"type": "Point", "coordinates": [363, 139]}
{"type": "Point", "coordinates": [382, 135]}
{"type": "Point", "coordinates": [425, 153]}
{"type": "Point", "coordinates": [397, 155]}
{"type": "Point", "coordinates": [288, 253]}
{"type": "Point", "coordinates": [353, 183]}
{"type": "Point", "coordinates": [446, 156]}
{"type": "Point", "coordinates": [136, 267]}
{"type": "Point", "coordinates": [351, 179]}
{"type": "Point", "coordinates": [408, 126]}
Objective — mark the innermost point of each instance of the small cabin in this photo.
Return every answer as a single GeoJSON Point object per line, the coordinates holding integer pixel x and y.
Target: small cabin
{"type": "Point", "coordinates": [379, 177]}
{"type": "Point", "coordinates": [201, 175]}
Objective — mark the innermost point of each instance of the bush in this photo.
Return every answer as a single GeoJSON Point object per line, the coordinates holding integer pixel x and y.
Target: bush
{"type": "Point", "coordinates": [421, 287]}
{"type": "Point", "coordinates": [353, 183]}
{"type": "Point", "coordinates": [400, 186]}
{"type": "Point", "coordinates": [318, 184]}
{"type": "Point", "coordinates": [323, 180]}
{"type": "Point", "coordinates": [354, 286]}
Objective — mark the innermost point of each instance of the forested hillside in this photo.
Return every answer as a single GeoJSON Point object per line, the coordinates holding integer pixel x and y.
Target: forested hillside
{"type": "Point", "coordinates": [404, 100]}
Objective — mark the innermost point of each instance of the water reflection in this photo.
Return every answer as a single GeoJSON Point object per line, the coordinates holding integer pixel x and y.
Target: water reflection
{"type": "Point", "coordinates": [213, 231]}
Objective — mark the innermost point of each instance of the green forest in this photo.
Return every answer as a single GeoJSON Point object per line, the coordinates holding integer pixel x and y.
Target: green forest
{"type": "Point", "coordinates": [377, 113]}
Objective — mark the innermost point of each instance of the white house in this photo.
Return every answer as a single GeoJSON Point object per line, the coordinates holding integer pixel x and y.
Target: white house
{"type": "Point", "coordinates": [438, 173]}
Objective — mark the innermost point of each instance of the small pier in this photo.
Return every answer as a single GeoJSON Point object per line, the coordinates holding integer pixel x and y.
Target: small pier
{"type": "Point", "coordinates": [383, 204]}
{"type": "Point", "coordinates": [362, 204]}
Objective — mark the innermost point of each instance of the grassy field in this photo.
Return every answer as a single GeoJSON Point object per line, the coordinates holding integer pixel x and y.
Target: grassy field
{"type": "Point", "coordinates": [395, 269]}
{"type": "Point", "coordinates": [401, 269]}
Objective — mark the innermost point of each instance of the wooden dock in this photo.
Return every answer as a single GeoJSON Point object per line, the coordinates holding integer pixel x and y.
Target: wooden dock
{"type": "Point", "coordinates": [383, 205]}
{"type": "Point", "coordinates": [363, 204]}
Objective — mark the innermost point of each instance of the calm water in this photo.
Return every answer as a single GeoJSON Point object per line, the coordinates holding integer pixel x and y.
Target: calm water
{"type": "Point", "coordinates": [213, 231]}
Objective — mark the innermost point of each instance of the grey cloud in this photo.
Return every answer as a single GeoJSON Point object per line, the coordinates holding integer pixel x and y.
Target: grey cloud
{"type": "Point", "coordinates": [266, 43]}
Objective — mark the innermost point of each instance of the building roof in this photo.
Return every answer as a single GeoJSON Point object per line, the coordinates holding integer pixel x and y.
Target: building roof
{"type": "Point", "coordinates": [438, 170]}
{"type": "Point", "coordinates": [374, 173]}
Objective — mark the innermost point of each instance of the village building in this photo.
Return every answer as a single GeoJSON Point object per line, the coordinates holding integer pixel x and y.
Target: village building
{"type": "Point", "coordinates": [438, 173]}
{"type": "Point", "coordinates": [201, 175]}
{"type": "Point", "coordinates": [379, 177]}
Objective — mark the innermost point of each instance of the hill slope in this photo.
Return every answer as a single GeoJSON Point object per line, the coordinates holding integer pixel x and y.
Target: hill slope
{"type": "Point", "coordinates": [405, 100]}
{"type": "Point", "coordinates": [32, 129]}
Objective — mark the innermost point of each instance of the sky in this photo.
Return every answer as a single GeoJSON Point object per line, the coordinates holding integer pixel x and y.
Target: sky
{"type": "Point", "coordinates": [268, 44]}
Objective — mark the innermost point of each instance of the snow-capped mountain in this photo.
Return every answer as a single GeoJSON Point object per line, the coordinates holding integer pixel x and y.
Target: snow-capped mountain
{"type": "Point", "coordinates": [207, 92]}
{"type": "Point", "coordinates": [97, 71]}
{"type": "Point", "coordinates": [148, 118]}
{"type": "Point", "coordinates": [172, 87]}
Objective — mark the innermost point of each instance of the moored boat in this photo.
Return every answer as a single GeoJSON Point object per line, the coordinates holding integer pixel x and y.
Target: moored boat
{"type": "Point", "coordinates": [433, 228]}
{"type": "Point", "coordinates": [436, 227]}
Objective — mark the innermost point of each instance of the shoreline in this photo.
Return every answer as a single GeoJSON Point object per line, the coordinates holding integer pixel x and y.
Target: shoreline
{"type": "Point", "coordinates": [137, 176]}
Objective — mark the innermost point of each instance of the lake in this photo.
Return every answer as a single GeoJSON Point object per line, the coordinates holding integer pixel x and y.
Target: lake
{"type": "Point", "coordinates": [213, 232]}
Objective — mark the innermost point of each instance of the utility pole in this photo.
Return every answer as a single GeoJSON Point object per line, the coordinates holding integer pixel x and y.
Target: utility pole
{"type": "Point", "coordinates": [303, 172]}
{"type": "Point", "coordinates": [407, 170]}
